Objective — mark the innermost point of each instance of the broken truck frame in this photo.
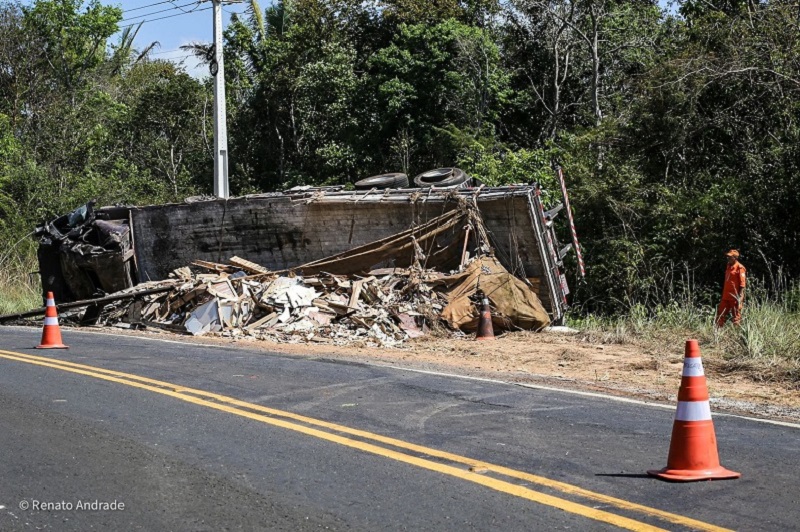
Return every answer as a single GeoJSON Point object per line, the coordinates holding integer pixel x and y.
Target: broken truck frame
{"type": "Point", "coordinates": [281, 231]}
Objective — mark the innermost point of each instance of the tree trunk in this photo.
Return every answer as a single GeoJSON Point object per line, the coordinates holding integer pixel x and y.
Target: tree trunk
{"type": "Point", "coordinates": [598, 113]}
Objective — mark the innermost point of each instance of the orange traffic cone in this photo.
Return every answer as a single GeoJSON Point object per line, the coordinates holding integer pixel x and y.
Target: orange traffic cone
{"type": "Point", "coordinates": [485, 329]}
{"type": "Point", "coordinates": [693, 448]}
{"type": "Point", "coordinates": [51, 334]}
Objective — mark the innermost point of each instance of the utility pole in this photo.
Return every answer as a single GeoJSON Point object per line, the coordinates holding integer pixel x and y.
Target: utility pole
{"type": "Point", "coordinates": [220, 126]}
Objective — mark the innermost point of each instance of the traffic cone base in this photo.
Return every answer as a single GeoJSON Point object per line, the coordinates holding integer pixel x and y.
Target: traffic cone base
{"type": "Point", "coordinates": [485, 328]}
{"type": "Point", "coordinates": [692, 475]}
{"type": "Point", "coordinates": [693, 447]}
{"type": "Point", "coordinates": [51, 333]}
{"type": "Point", "coordinates": [693, 454]}
{"type": "Point", "coordinates": [485, 332]}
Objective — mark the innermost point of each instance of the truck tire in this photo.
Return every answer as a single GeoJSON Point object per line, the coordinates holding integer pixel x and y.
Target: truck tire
{"type": "Point", "coordinates": [382, 181]}
{"type": "Point", "coordinates": [441, 178]}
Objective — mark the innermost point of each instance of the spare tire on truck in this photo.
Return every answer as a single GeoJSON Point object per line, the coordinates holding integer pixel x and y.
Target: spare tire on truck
{"type": "Point", "coordinates": [441, 178]}
{"type": "Point", "coordinates": [393, 180]}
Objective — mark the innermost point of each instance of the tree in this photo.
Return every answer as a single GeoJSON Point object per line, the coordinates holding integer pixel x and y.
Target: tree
{"type": "Point", "coordinates": [72, 42]}
{"type": "Point", "coordinates": [290, 84]}
{"type": "Point", "coordinates": [124, 54]}
{"type": "Point", "coordinates": [431, 78]}
{"type": "Point", "coordinates": [165, 127]}
{"type": "Point", "coordinates": [558, 44]}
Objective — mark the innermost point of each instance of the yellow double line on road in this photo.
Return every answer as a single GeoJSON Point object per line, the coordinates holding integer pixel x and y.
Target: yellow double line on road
{"type": "Point", "coordinates": [475, 473]}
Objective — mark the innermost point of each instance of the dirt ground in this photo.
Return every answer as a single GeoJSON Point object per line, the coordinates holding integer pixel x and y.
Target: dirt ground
{"type": "Point", "coordinates": [554, 359]}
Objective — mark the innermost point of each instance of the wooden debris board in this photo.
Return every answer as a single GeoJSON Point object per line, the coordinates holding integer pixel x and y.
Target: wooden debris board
{"type": "Point", "coordinates": [246, 265]}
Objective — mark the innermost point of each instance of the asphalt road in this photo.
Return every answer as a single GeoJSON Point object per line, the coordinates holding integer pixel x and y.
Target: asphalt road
{"type": "Point", "coordinates": [191, 437]}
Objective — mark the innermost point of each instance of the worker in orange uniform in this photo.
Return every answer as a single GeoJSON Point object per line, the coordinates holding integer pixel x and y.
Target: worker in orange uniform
{"type": "Point", "coordinates": [732, 290]}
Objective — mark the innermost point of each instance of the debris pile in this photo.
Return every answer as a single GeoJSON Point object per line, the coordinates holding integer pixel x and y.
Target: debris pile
{"type": "Point", "coordinates": [383, 308]}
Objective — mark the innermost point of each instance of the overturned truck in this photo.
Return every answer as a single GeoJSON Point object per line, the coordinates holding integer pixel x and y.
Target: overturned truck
{"type": "Point", "coordinates": [310, 231]}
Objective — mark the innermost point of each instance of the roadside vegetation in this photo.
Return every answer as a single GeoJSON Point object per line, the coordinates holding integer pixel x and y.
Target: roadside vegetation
{"type": "Point", "coordinates": [20, 289]}
{"type": "Point", "coordinates": [678, 130]}
{"type": "Point", "coordinates": [765, 347]}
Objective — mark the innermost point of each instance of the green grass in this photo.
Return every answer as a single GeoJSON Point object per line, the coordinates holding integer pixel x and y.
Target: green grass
{"type": "Point", "coordinates": [19, 291]}
{"type": "Point", "coordinates": [766, 347]}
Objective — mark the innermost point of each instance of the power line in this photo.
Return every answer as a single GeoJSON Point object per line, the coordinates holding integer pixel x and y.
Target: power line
{"type": "Point", "coordinates": [233, 12]}
{"type": "Point", "coordinates": [177, 58]}
{"type": "Point", "coordinates": [168, 16]}
{"type": "Point", "coordinates": [162, 52]}
{"type": "Point", "coordinates": [182, 58]}
{"type": "Point", "coordinates": [148, 5]}
{"type": "Point", "coordinates": [180, 8]}
{"type": "Point", "coordinates": [169, 2]}
{"type": "Point", "coordinates": [163, 11]}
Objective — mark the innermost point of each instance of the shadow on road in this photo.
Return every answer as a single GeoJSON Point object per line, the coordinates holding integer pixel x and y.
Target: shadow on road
{"type": "Point", "coordinates": [628, 475]}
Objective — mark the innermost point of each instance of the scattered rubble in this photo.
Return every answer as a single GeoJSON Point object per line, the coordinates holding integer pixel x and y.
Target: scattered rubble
{"type": "Point", "coordinates": [383, 308]}
{"type": "Point", "coordinates": [216, 298]}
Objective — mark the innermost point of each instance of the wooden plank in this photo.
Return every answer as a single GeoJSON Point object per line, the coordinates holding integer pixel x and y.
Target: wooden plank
{"type": "Point", "coordinates": [213, 266]}
{"type": "Point", "coordinates": [262, 321]}
{"type": "Point", "coordinates": [85, 303]}
{"type": "Point", "coordinates": [166, 326]}
{"type": "Point", "coordinates": [357, 286]}
{"type": "Point", "coordinates": [246, 265]}
{"type": "Point", "coordinates": [339, 308]}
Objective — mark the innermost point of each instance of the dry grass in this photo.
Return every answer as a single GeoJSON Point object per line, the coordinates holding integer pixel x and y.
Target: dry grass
{"type": "Point", "coordinates": [572, 355]}
{"type": "Point", "coordinates": [19, 290]}
{"type": "Point", "coordinates": [765, 348]}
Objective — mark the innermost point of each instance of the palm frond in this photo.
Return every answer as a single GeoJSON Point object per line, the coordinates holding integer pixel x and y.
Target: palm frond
{"type": "Point", "coordinates": [149, 48]}
{"type": "Point", "coordinates": [201, 50]}
{"type": "Point", "coordinates": [257, 19]}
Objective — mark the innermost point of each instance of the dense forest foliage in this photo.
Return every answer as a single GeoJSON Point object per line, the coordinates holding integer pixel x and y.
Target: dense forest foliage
{"type": "Point", "coordinates": [678, 129]}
